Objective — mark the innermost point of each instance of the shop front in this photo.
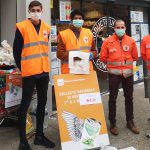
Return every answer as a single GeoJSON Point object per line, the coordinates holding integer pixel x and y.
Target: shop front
{"type": "Point", "coordinates": [100, 16]}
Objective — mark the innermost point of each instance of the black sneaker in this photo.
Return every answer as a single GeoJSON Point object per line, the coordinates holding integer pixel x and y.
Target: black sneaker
{"type": "Point", "coordinates": [43, 141]}
{"type": "Point", "coordinates": [24, 146]}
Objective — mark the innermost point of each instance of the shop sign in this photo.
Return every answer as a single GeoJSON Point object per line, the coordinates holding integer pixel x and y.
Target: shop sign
{"type": "Point", "coordinates": [81, 117]}
{"type": "Point", "coordinates": [99, 26]}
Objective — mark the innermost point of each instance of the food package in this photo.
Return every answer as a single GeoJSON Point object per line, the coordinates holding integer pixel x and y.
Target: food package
{"type": "Point", "coordinates": [6, 54]}
{"type": "Point", "coordinates": [29, 126]}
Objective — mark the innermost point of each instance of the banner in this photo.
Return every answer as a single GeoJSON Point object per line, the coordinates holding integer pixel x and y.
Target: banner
{"type": "Point", "coordinates": [80, 112]}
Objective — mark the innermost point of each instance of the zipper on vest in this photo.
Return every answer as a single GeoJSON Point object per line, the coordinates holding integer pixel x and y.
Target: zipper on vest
{"type": "Point", "coordinates": [120, 42]}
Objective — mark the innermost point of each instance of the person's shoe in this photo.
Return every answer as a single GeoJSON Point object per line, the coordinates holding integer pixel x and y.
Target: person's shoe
{"type": "Point", "coordinates": [43, 141]}
{"type": "Point", "coordinates": [132, 127]}
{"type": "Point", "coordinates": [24, 146]}
{"type": "Point", "coordinates": [114, 129]}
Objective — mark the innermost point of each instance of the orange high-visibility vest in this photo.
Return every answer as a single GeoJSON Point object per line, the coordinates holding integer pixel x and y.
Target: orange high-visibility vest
{"type": "Point", "coordinates": [145, 52]}
{"type": "Point", "coordinates": [84, 44]}
{"type": "Point", "coordinates": [34, 57]}
{"type": "Point", "coordinates": [119, 56]}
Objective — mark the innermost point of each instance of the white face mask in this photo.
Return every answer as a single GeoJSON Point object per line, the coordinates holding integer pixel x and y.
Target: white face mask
{"type": "Point", "coordinates": [36, 15]}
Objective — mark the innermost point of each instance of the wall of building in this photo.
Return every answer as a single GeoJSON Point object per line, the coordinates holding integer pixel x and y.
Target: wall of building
{"type": "Point", "coordinates": [8, 20]}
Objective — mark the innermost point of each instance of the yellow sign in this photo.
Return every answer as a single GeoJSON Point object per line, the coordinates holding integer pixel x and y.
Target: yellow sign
{"type": "Point", "coordinates": [51, 3]}
{"type": "Point", "coordinates": [80, 112]}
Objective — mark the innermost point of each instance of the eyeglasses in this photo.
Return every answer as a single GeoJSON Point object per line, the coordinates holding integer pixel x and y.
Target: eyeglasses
{"type": "Point", "coordinates": [35, 10]}
{"type": "Point", "coordinates": [120, 27]}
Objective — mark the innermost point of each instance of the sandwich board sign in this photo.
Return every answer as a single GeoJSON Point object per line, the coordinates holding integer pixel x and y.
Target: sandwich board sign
{"type": "Point", "coordinates": [80, 112]}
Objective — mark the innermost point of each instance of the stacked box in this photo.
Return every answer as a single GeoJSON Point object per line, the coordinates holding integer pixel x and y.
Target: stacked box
{"type": "Point", "coordinates": [2, 94]}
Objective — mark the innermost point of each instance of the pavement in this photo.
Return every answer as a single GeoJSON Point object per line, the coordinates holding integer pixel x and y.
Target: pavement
{"type": "Point", "coordinates": [9, 136]}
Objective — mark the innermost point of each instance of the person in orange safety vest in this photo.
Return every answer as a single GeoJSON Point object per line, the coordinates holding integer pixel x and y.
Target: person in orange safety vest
{"type": "Point", "coordinates": [30, 52]}
{"type": "Point", "coordinates": [76, 38]}
{"type": "Point", "coordinates": [145, 52]}
{"type": "Point", "coordinates": [119, 51]}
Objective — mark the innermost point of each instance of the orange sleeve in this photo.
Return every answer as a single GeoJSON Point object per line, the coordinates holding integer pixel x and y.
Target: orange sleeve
{"type": "Point", "coordinates": [93, 49]}
{"type": "Point", "coordinates": [62, 53]}
{"type": "Point", "coordinates": [134, 52]}
{"type": "Point", "coordinates": [104, 52]}
{"type": "Point", "coordinates": [143, 50]}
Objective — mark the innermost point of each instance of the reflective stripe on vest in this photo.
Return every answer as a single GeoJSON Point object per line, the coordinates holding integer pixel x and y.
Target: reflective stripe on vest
{"type": "Point", "coordinates": [114, 71]}
{"type": "Point", "coordinates": [120, 63]}
{"type": "Point", "coordinates": [125, 72]}
{"type": "Point", "coordinates": [35, 44]}
{"type": "Point", "coordinates": [34, 56]}
{"type": "Point", "coordinates": [81, 48]}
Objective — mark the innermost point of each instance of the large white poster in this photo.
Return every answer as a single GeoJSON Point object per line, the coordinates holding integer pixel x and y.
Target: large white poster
{"type": "Point", "coordinates": [135, 31]}
{"type": "Point", "coordinates": [136, 16]}
{"type": "Point", "coordinates": [144, 30]}
{"type": "Point", "coordinates": [65, 10]}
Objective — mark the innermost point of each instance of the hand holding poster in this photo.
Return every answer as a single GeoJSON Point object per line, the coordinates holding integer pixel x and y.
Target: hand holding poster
{"type": "Point", "coordinates": [80, 112]}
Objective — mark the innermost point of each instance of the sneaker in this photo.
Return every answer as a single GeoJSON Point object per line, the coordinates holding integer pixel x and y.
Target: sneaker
{"type": "Point", "coordinates": [43, 141]}
{"type": "Point", "coordinates": [131, 126]}
{"type": "Point", "coordinates": [24, 146]}
{"type": "Point", "coordinates": [114, 129]}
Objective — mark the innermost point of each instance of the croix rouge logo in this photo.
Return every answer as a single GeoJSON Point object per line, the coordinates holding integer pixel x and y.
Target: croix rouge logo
{"type": "Point", "coordinates": [98, 27]}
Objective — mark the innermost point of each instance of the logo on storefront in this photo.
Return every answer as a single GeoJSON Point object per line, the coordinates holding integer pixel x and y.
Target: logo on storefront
{"type": "Point", "coordinates": [102, 24]}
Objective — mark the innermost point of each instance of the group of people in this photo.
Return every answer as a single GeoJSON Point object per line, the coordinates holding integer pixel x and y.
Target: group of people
{"type": "Point", "coordinates": [31, 56]}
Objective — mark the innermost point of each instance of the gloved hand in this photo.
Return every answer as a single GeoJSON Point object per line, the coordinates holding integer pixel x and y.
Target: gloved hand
{"type": "Point", "coordinates": [91, 56]}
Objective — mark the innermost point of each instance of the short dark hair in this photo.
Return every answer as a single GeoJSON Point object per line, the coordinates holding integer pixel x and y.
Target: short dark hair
{"type": "Point", "coordinates": [118, 20]}
{"type": "Point", "coordinates": [76, 12]}
{"type": "Point", "coordinates": [35, 3]}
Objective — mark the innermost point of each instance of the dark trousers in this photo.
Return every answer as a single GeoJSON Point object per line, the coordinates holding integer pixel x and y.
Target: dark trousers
{"type": "Point", "coordinates": [28, 85]}
{"type": "Point", "coordinates": [127, 85]}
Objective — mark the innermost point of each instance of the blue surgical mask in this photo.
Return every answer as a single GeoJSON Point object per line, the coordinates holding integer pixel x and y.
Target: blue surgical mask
{"type": "Point", "coordinates": [78, 23]}
{"type": "Point", "coordinates": [120, 32]}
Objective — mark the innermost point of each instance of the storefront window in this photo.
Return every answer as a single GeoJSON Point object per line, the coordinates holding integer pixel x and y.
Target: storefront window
{"type": "Point", "coordinates": [102, 14]}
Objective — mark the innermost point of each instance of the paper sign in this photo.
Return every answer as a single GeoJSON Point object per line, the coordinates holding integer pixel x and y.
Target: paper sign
{"type": "Point", "coordinates": [90, 98]}
{"type": "Point", "coordinates": [144, 30]}
{"type": "Point", "coordinates": [136, 16]}
{"type": "Point", "coordinates": [53, 34]}
{"type": "Point", "coordinates": [135, 31]}
{"type": "Point", "coordinates": [65, 10]}
{"type": "Point", "coordinates": [13, 93]}
{"type": "Point", "coordinates": [82, 126]}
{"type": "Point", "coordinates": [79, 66]}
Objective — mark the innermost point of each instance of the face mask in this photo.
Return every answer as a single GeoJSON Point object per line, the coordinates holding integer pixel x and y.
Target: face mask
{"type": "Point", "coordinates": [120, 32]}
{"type": "Point", "coordinates": [78, 23]}
{"type": "Point", "coordinates": [36, 15]}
